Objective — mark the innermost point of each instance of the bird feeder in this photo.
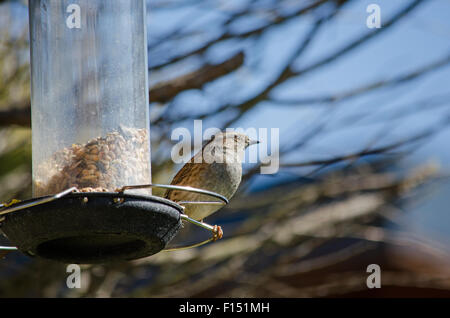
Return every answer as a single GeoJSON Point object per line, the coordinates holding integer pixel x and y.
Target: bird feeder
{"type": "Point", "coordinates": [90, 138]}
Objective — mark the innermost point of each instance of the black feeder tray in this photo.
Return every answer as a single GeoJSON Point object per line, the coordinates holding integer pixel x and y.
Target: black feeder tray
{"type": "Point", "coordinates": [97, 227]}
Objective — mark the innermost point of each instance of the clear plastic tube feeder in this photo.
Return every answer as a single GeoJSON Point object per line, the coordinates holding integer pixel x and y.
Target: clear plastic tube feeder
{"type": "Point", "coordinates": [89, 92]}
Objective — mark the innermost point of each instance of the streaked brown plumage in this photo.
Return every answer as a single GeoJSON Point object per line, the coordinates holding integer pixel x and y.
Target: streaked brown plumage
{"type": "Point", "coordinates": [217, 168]}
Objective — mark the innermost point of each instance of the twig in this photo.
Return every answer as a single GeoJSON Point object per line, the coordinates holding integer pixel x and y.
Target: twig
{"type": "Point", "coordinates": [366, 88]}
{"type": "Point", "coordinates": [165, 91]}
{"type": "Point", "coordinates": [230, 35]}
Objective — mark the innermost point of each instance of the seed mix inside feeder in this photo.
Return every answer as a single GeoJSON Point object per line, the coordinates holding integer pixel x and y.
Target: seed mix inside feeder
{"type": "Point", "coordinates": [92, 199]}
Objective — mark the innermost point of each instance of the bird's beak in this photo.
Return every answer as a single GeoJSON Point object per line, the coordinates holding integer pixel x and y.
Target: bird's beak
{"type": "Point", "coordinates": [252, 142]}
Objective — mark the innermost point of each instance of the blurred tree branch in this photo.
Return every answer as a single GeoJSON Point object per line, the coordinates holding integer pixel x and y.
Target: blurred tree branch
{"type": "Point", "coordinates": [20, 116]}
{"type": "Point", "coordinates": [342, 96]}
{"type": "Point", "coordinates": [165, 91]}
{"type": "Point", "coordinates": [231, 35]}
{"type": "Point", "coordinates": [288, 72]}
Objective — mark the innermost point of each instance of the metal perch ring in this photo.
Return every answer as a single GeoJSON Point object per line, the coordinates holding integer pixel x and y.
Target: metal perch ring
{"type": "Point", "coordinates": [184, 216]}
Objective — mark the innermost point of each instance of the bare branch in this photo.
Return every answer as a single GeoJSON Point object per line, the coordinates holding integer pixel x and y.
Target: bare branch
{"type": "Point", "coordinates": [400, 79]}
{"type": "Point", "coordinates": [230, 35]}
{"type": "Point", "coordinates": [165, 91]}
{"type": "Point", "coordinates": [335, 55]}
{"type": "Point", "coordinates": [288, 72]}
{"type": "Point", "coordinates": [366, 37]}
{"type": "Point", "coordinates": [16, 116]}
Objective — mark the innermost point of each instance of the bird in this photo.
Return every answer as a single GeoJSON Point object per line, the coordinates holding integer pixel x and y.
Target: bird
{"type": "Point", "coordinates": [217, 167]}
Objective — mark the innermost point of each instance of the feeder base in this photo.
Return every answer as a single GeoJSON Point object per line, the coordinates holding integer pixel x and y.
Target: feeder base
{"type": "Point", "coordinates": [87, 228]}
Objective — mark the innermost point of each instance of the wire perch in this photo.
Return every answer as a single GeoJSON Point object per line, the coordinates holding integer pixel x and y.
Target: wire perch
{"type": "Point", "coordinates": [214, 229]}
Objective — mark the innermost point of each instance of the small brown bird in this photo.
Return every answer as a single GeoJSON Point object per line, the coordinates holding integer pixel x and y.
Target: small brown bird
{"type": "Point", "coordinates": [217, 167]}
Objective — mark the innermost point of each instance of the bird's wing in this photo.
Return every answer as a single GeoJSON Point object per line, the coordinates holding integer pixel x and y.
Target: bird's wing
{"type": "Point", "coordinates": [179, 177]}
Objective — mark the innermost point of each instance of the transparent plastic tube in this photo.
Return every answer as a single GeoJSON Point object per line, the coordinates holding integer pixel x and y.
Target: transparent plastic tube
{"type": "Point", "coordinates": [89, 95]}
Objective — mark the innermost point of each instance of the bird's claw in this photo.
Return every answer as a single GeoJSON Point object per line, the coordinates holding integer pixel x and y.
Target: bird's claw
{"type": "Point", "coordinates": [217, 233]}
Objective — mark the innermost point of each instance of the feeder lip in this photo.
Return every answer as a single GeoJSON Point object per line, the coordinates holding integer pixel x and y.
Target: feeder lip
{"type": "Point", "coordinates": [19, 206]}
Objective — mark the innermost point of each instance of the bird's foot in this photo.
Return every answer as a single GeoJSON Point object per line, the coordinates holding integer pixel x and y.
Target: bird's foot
{"type": "Point", "coordinates": [217, 233]}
